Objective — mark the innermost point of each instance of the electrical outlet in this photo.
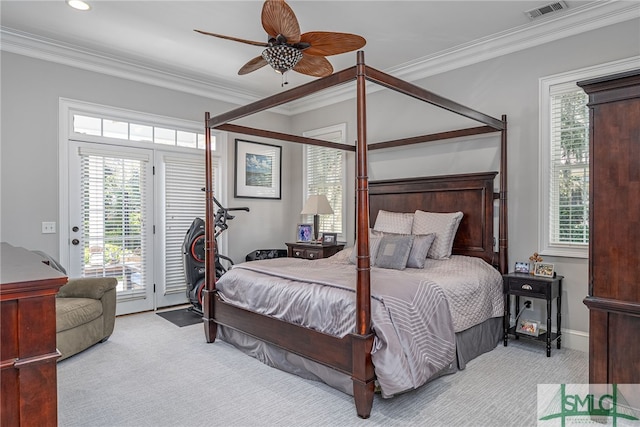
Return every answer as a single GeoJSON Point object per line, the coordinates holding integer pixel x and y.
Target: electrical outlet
{"type": "Point", "coordinates": [48, 227]}
{"type": "Point", "coordinates": [528, 304]}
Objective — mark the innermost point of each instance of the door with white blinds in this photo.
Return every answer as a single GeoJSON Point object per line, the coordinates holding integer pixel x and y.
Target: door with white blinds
{"type": "Point", "coordinates": [111, 220]}
{"type": "Point", "coordinates": [180, 179]}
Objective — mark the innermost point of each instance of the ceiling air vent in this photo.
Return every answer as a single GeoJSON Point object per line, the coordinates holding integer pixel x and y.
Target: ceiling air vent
{"type": "Point", "coordinates": [546, 9]}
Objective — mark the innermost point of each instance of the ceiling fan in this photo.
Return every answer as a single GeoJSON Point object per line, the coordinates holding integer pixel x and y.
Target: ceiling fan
{"type": "Point", "coordinates": [287, 49]}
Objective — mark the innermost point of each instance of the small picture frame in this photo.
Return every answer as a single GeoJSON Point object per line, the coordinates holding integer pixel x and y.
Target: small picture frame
{"type": "Point", "coordinates": [305, 233]}
{"type": "Point", "coordinates": [528, 327]}
{"type": "Point", "coordinates": [521, 267]}
{"type": "Point", "coordinates": [329, 239]}
{"type": "Point", "coordinates": [543, 269]}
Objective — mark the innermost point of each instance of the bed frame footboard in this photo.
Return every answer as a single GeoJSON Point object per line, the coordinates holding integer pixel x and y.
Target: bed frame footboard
{"type": "Point", "coordinates": [349, 355]}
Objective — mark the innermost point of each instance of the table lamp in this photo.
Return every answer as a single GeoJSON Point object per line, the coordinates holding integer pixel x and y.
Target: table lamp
{"type": "Point", "coordinates": [316, 205]}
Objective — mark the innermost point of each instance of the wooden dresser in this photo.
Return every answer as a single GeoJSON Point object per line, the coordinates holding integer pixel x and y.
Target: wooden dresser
{"type": "Point", "coordinates": [28, 354]}
{"type": "Point", "coordinates": [614, 221]}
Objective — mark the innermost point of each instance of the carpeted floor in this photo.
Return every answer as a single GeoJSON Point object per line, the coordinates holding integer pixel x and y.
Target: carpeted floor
{"type": "Point", "coordinates": [151, 373]}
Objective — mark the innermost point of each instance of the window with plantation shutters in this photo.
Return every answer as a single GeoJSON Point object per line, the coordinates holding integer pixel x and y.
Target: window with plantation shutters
{"type": "Point", "coordinates": [569, 195]}
{"type": "Point", "coordinates": [325, 173]}
{"type": "Point", "coordinates": [113, 212]}
{"type": "Point", "coordinates": [184, 178]}
{"type": "Point", "coordinates": [564, 160]}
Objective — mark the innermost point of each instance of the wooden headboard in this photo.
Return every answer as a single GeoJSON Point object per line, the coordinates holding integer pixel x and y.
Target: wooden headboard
{"type": "Point", "coordinates": [471, 194]}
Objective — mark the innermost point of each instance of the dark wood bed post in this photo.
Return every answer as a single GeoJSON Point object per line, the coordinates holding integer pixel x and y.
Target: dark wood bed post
{"type": "Point", "coordinates": [503, 245]}
{"type": "Point", "coordinates": [362, 342]}
{"type": "Point", "coordinates": [210, 326]}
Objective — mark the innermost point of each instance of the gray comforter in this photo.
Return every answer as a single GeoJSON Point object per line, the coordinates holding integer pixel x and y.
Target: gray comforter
{"type": "Point", "coordinates": [415, 336]}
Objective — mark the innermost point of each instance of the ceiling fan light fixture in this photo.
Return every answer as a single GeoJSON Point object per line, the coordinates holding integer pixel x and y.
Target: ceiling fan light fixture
{"type": "Point", "coordinates": [282, 58]}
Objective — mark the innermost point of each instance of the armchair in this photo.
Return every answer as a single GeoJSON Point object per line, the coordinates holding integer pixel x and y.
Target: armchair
{"type": "Point", "coordinates": [85, 313]}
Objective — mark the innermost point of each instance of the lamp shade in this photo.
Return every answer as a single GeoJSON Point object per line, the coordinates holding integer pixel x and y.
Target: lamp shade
{"type": "Point", "coordinates": [317, 205]}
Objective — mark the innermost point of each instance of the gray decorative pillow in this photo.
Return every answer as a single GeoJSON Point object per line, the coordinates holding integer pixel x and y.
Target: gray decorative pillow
{"type": "Point", "coordinates": [419, 250]}
{"type": "Point", "coordinates": [374, 243]}
{"type": "Point", "coordinates": [394, 251]}
{"type": "Point", "coordinates": [443, 225]}
{"type": "Point", "coordinates": [394, 222]}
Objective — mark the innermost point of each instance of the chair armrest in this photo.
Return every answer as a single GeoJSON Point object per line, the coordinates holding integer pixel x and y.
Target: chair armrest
{"type": "Point", "coordinates": [87, 287]}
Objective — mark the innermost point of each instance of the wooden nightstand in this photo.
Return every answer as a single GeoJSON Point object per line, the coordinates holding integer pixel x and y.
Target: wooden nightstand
{"type": "Point", "coordinates": [312, 250]}
{"type": "Point", "coordinates": [529, 286]}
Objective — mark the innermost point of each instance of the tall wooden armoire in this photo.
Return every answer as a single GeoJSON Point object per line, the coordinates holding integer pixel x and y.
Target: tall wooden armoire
{"type": "Point", "coordinates": [614, 221]}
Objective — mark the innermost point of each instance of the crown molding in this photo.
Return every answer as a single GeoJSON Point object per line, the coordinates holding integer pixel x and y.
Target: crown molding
{"type": "Point", "coordinates": [568, 23]}
{"type": "Point", "coordinates": [33, 46]}
{"type": "Point", "coordinates": [571, 22]}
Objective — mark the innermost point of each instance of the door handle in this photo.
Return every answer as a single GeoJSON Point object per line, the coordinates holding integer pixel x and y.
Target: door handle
{"type": "Point", "coordinates": [75, 242]}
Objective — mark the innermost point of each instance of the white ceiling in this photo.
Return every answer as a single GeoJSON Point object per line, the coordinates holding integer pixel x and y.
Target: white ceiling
{"type": "Point", "coordinates": [154, 40]}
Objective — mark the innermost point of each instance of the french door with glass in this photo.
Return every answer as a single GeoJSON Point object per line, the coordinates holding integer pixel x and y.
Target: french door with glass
{"type": "Point", "coordinates": [111, 219]}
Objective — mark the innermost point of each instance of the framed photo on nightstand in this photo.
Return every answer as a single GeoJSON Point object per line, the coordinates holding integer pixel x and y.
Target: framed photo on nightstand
{"type": "Point", "coordinates": [528, 327]}
{"type": "Point", "coordinates": [305, 233]}
{"type": "Point", "coordinates": [543, 269]}
{"type": "Point", "coordinates": [521, 267]}
{"type": "Point", "coordinates": [329, 239]}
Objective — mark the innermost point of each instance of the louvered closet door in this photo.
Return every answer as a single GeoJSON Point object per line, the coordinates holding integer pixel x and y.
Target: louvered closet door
{"type": "Point", "coordinates": [180, 182]}
{"type": "Point", "coordinates": [111, 220]}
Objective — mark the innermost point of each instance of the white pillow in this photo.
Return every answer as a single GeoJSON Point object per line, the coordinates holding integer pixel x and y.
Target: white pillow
{"type": "Point", "coordinates": [394, 222]}
{"type": "Point", "coordinates": [443, 225]}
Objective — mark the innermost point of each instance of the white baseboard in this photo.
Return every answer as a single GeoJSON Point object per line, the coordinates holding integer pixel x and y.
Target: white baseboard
{"type": "Point", "coordinates": [575, 340]}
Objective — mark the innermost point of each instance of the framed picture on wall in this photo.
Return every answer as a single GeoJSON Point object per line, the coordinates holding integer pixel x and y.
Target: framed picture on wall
{"type": "Point", "coordinates": [258, 170]}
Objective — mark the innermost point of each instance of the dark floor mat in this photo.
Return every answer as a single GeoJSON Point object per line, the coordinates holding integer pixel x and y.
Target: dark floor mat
{"type": "Point", "coordinates": [182, 317]}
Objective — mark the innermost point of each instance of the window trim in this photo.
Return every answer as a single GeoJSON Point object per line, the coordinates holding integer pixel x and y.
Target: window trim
{"type": "Point", "coordinates": [546, 84]}
{"type": "Point", "coordinates": [315, 133]}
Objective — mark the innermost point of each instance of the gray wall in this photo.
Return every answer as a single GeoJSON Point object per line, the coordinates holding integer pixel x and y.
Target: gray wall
{"type": "Point", "coordinates": [506, 85]}
{"type": "Point", "coordinates": [31, 90]}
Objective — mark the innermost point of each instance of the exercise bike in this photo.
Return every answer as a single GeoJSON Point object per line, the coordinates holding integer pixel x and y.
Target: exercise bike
{"type": "Point", "coordinates": [193, 254]}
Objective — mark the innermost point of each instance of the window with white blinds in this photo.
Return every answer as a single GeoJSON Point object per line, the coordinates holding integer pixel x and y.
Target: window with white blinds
{"type": "Point", "coordinates": [184, 178]}
{"type": "Point", "coordinates": [564, 160]}
{"type": "Point", "coordinates": [325, 173]}
{"type": "Point", "coordinates": [569, 192]}
{"type": "Point", "coordinates": [113, 214]}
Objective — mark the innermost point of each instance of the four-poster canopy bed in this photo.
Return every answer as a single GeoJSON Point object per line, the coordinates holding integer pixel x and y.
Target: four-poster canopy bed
{"type": "Point", "coordinates": [473, 194]}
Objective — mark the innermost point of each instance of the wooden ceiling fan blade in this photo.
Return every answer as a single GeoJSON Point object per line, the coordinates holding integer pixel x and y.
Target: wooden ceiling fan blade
{"type": "Point", "coordinates": [326, 43]}
{"type": "Point", "coordinates": [254, 64]}
{"type": "Point", "coordinates": [235, 39]}
{"type": "Point", "coordinates": [278, 18]}
{"type": "Point", "coordinates": [316, 66]}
